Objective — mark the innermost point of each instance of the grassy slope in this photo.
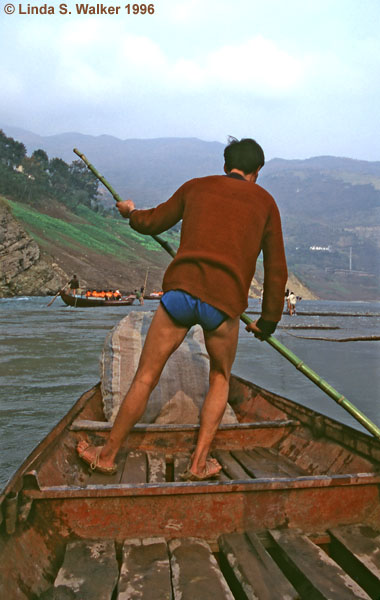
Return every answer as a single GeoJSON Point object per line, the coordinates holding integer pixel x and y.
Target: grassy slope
{"type": "Point", "coordinates": [103, 251]}
{"type": "Point", "coordinates": [106, 253]}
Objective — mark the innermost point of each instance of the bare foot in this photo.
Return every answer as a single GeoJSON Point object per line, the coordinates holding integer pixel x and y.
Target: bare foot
{"type": "Point", "coordinates": [91, 455]}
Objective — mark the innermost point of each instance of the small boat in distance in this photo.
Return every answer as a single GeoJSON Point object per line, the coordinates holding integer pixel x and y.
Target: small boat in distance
{"type": "Point", "coordinates": [153, 296]}
{"type": "Point", "coordinates": [83, 301]}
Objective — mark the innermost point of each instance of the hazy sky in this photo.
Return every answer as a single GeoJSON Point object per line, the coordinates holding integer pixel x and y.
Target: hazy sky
{"type": "Point", "coordinates": [301, 76]}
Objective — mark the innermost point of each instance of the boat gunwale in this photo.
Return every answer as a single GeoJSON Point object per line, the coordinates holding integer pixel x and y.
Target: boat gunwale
{"type": "Point", "coordinates": [331, 428]}
{"type": "Point", "coordinates": [174, 488]}
{"type": "Point", "coordinates": [84, 424]}
{"type": "Point", "coordinates": [15, 482]}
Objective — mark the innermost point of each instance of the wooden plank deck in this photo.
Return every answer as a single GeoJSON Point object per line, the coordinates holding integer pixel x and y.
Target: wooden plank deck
{"type": "Point", "coordinates": [136, 466]}
{"type": "Point", "coordinates": [254, 568]}
{"type": "Point", "coordinates": [358, 547]}
{"type": "Point", "coordinates": [319, 576]}
{"type": "Point", "coordinates": [261, 462]}
{"type": "Point", "coordinates": [145, 571]}
{"type": "Point", "coordinates": [195, 571]}
{"type": "Point", "coordinates": [272, 565]}
{"type": "Point", "coordinates": [89, 571]}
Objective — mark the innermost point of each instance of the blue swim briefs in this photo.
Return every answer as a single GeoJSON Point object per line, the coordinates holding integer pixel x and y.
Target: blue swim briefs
{"type": "Point", "coordinates": [186, 310]}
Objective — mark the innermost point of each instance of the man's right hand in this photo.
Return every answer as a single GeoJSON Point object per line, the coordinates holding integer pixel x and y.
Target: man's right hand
{"type": "Point", "coordinates": [261, 328]}
{"type": "Point", "coordinates": [252, 328]}
{"type": "Point", "coordinates": [125, 208]}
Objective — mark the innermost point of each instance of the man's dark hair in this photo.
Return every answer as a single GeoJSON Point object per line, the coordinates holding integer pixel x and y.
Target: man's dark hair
{"type": "Point", "coordinates": [246, 155]}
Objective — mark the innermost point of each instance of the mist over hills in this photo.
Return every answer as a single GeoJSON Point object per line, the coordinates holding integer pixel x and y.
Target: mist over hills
{"type": "Point", "coordinates": [147, 170]}
{"type": "Point", "coordinates": [329, 205]}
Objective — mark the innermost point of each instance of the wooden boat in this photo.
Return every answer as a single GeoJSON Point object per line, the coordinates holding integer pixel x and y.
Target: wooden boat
{"type": "Point", "coordinates": [153, 296]}
{"type": "Point", "coordinates": [82, 301]}
{"type": "Point", "coordinates": [294, 514]}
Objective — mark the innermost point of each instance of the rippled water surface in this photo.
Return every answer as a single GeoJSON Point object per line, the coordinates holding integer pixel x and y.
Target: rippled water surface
{"type": "Point", "coordinates": [49, 356]}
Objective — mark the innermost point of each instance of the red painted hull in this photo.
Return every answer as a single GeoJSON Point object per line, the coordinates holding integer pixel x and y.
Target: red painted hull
{"type": "Point", "coordinates": [328, 474]}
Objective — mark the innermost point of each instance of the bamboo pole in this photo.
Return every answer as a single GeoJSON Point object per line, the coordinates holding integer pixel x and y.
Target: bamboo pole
{"type": "Point", "coordinates": [145, 282]}
{"type": "Point", "coordinates": [283, 350]}
{"type": "Point", "coordinates": [57, 294]}
{"type": "Point", "coordinates": [321, 383]}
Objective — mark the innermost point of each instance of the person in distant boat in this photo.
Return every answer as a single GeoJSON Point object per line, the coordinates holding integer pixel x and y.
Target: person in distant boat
{"type": "Point", "coordinates": [292, 303]}
{"type": "Point", "coordinates": [74, 285]}
{"type": "Point", "coordinates": [226, 221]}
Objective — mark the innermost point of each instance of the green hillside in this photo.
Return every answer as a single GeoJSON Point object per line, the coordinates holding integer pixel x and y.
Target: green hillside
{"type": "Point", "coordinates": [101, 249]}
{"type": "Point", "coordinates": [329, 206]}
{"type": "Point", "coordinates": [88, 230]}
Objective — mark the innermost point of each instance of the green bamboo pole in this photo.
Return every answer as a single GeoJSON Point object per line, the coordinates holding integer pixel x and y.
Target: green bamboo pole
{"type": "Point", "coordinates": [321, 383]}
{"type": "Point", "coordinates": [288, 354]}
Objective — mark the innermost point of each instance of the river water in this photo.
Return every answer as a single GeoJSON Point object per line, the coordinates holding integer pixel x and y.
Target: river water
{"type": "Point", "coordinates": [49, 356]}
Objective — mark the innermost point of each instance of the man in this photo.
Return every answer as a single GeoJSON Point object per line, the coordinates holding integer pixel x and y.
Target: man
{"type": "Point", "coordinates": [226, 221]}
{"type": "Point", "coordinates": [292, 303]}
{"type": "Point", "coordinates": [74, 285]}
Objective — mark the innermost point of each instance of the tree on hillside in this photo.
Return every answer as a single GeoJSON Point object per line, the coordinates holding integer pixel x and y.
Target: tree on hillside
{"type": "Point", "coordinates": [36, 179]}
{"type": "Point", "coordinates": [36, 170]}
{"type": "Point", "coordinates": [83, 180]}
{"type": "Point", "coordinates": [41, 158]}
{"type": "Point", "coordinates": [59, 172]}
{"type": "Point", "coordinates": [72, 184]}
{"type": "Point", "coordinates": [11, 152]}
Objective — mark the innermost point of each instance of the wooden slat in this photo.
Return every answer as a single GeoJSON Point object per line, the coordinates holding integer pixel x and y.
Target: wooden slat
{"type": "Point", "coordinates": [263, 464]}
{"type": "Point", "coordinates": [91, 425]}
{"type": "Point", "coordinates": [195, 572]}
{"type": "Point", "coordinates": [145, 570]}
{"type": "Point", "coordinates": [270, 458]}
{"type": "Point", "coordinates": [156, 467]}
{"type": "Point", "coordinates": [252, 465]}
{"type": "Point", "coordinates": [230, 466]}
{"type": "Point", "coordinates": [222, 476]}
{"type": "Point", "coordinates": [135, 468]}
{"type": "Point", "coordinates": [357, 547]}
{"type": "Point", "coordinates": [89, 571]}
{"type": "Point", "coordinates": [180, 463]}
{"type": "Point", "coordinates": [255, 569]}
{"type": "Point", "coordinates": [318, 575]}
{"type": "Point", "coordinates": [97, 478]}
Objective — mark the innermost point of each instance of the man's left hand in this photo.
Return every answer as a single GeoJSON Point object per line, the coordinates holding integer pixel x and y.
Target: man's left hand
{"type": "Point", "coordinates": [125, 208]}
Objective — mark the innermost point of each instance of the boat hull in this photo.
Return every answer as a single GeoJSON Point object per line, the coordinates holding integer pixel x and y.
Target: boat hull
{"type": "Point", "coordinates": [80, 302]}
{"type": "Point", "coordinates": [303, 472]}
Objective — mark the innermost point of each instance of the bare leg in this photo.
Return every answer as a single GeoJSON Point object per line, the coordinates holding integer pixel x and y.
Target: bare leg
{"type": "Point", "coordinates": [163, 338]}
{"type": "Point", "coordinates": [221, 346]}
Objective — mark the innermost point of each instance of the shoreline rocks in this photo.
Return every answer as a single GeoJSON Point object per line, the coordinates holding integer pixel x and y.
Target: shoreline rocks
{"type": "Point", "coordinates": [24, 270]}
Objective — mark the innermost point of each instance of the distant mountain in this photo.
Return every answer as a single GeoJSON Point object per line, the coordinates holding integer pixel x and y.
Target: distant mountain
{"type": "Point", "coordinates": [329, 205]}
{"type": "Point", "coordinates": [149, 171]}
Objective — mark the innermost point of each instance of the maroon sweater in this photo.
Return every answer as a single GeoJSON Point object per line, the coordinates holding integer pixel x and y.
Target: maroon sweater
{"type": "Point", "coordinates": [227, 221]}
